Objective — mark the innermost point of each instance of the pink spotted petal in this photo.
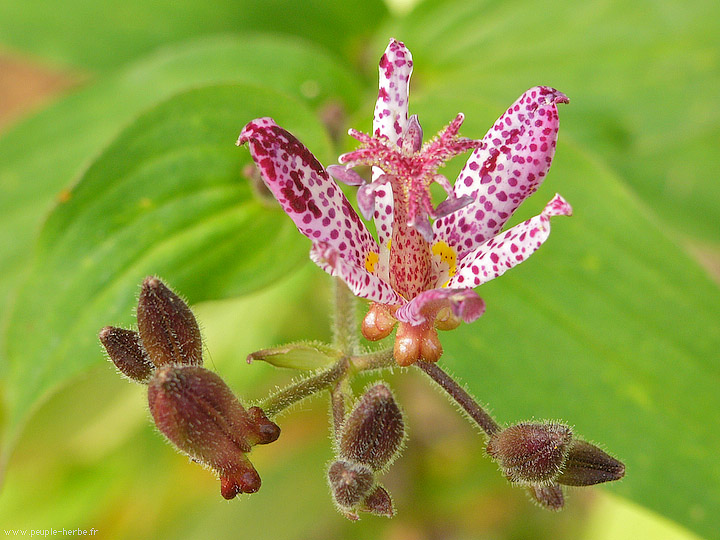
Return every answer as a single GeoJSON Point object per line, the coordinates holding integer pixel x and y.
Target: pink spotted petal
{"type": "Point", "coordinates": [366, 200]}
{"type": "Point", "coordinates": [383, 215]}
{"type": "Point", "coordinates": [391, 109]}
{"type": "Point", "coordinates": [499, 254]}
{"type": "Point", "coordinates": [510, 166]}
{"type": "Point", "coordinates": [306, 192]}
{"type": "Point", "coordinates": [362, 283]}
{"type": "Point", "coordinates": [464, 303]}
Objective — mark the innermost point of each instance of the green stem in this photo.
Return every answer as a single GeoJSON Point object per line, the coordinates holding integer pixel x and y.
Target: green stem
{"type": "Point", "coordinates": [281, 400]}
{"type": "Point", "coordinates": [375, 360]}
{"type": "Point", "coordinates": [345, 323]}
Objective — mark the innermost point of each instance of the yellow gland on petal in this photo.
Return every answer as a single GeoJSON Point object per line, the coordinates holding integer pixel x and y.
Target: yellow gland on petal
{"type": "Point", "coordinates": [447, 255]}
{"type": "Point", "coordinates": [371, 259]}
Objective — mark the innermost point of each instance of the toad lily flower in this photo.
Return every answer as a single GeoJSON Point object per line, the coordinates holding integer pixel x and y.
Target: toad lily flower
{"type": "Point", "coordinates": [417, 273]}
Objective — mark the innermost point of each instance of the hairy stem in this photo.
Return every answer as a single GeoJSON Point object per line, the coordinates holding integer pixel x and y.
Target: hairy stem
{"type": "Point", "coordinates": [303, 388]}
{"type": "Point", "coordinates": [460, 396]}
{"type": "Point", "coordinates": [345, 322]}
{"type": "Point", "coordinates": [374, 360]}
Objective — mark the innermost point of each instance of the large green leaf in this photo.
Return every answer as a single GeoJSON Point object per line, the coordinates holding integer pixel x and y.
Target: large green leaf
{"type": "Point", "coordinates": [102, 35]}
{"type": "Point", "coordinates": [42, 155]}
{"type": "Point", "coordinates": [167, 198]}
{"type": "Point", "coordinates": [642, 76]}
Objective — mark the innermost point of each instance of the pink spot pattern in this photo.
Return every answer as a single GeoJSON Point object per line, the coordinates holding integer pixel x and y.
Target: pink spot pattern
{"type": "Point", "coordinates": [391, 108]}
{"type": "Point", "coordinates": [306, 192]}
{"type": "Point", "coordinates": [510, 166]}
{"type": "Point", "coordinates": [361, 282]}
{"type": "Point", "coordinates": [504, 169]}
{"type": "Point", "coordinates": [390, 120]}
{"type": "Point", "coordinates": [500, 253]}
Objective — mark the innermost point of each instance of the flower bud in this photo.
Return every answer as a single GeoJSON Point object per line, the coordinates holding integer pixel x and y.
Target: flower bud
{"type": "Point", "coordinates": [531, 453]}
{"type": "Point", "coordinates": [305, 356]}
{"type": "Point", "coordinates": [378, 323]}
{"type": "Point", "coordinates": [548, 496]}
{"type": "Point", "coordinates": [124, 349]}
{"type": "Point", "coordinates": [196, 411]}
{"type": "Point", "coordinates": [586, 464]}
{"type": "Point", "coordinates": [349, 482]}
{"type": "Point", "coordinates": [374, 430]}
{"type": "Point", "coordinates": [168, 329]}
{"type": "Point", "coordinates": [378, 502]}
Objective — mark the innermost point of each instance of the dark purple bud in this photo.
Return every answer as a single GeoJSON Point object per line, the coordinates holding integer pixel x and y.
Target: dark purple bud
{"type": "Point", "coordinates": [378, 502]}
{"type": "Point", "coordinates": [374, 430]}
{"type": "Point", "coordinates": [549, 497]}
{"type": "Point", "coordinates": [168, 329]}
{"type": "Point", "coordinates": [350, 482]}
{"type": "Point", "coordinates": [346, 176]}
{"type": "Point", "coordinates": [531, 453]}
{"type": "Point", "coordinates": [586, 464]}
{"type": "Point", "coordinates": [412, 138]}
{"type": "Point", "coordinates": [196, 411]}
{"type": "Point", "coordinates": [124, 349]}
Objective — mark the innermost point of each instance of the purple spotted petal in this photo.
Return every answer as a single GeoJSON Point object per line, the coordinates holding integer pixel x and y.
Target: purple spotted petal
{"type": "Point", "coordinates": [383, 218]}
{"type": "Point", "coordinates": [464, 303]}
{"type": "Point", "coordinates": [306, 192]}
{"type": "Point", "coordinates": [499, 254]}
{"type": "Point", "coordinates": [362, 283]}
{"type": "Point", "coordinates": [391, 109]}
{"type": "Point", "coordinates": [513, 163]}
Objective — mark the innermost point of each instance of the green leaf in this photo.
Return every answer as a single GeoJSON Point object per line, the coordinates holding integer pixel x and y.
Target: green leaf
{"type": "Point", "coordinates": [103, 35]}
{"type": "Point", "coordinates": [643, 79]}
{"type": "Point", "coordinates": [42, 155]}
{"type": "Point", "coordinates": [166, 198]}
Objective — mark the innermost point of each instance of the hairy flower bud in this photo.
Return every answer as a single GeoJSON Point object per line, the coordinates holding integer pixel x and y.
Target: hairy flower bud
{"type": "Point", "coordinates": [531, 453]}
{"type": "Point", "coordinates": [168, 329]}
{"type": "Point", "coordinates": [124, 349]}
{"type": "Point", "coordinates": [586, 464]}
{"type": "Point", "coordinates": [374, 430]}
{"type": "Point", "coordinates": [196, 411]}
{"type": "Point", "coordinates": [349, 482]}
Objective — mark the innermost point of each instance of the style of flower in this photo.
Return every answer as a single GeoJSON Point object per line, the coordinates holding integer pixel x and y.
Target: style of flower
{"type": "Point", "coordinates": [418, 273]}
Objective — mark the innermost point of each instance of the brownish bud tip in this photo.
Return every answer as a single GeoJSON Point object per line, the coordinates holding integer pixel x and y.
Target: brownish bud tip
{"type": "Point", "coordinates": [374, 430]}
{"type": "Point", "coordinates": [168, 329]}
{"type": "Point", "coordinates": [124, 349]}
{"type": "Point", "coordinates": [267, 430]}
{"type": "Point", "coordinates": [549, 496]}
{"type": "Point", "coordinates": [378, 323]}
{"type": "Point", "coordinates": [531, 453]}
{"type": "Point", "coordinates": [196, 411]}
{"type": "Point", "coordinates": [243, 481]}
{"type": "Point", "coordinates": [379, 503]}
{"type": "Point", "coordinates": [349, 482]}
{"type": "Point", "coordinates": [587, 464]}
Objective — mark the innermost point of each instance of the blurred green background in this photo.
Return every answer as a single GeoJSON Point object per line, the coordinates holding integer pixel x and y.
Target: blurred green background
{"type": "Point", "coordinates": [117, 124]}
